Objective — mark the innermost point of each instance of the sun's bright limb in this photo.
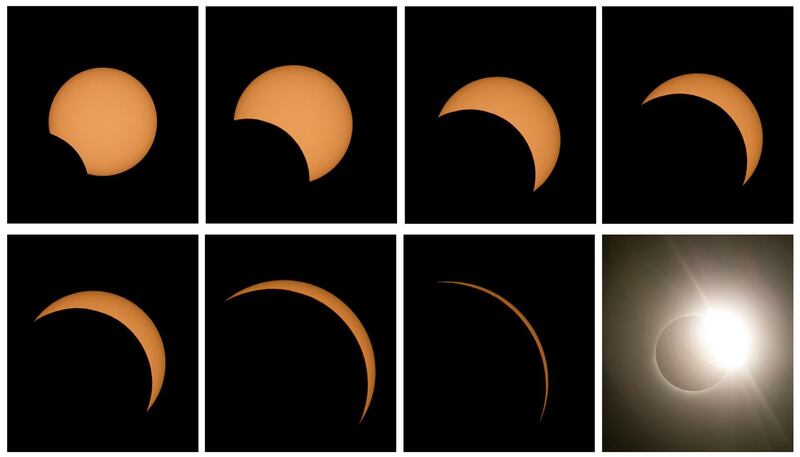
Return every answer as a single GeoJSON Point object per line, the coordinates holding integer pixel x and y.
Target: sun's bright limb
{"type": "Point", "coordinates": [726, 338]}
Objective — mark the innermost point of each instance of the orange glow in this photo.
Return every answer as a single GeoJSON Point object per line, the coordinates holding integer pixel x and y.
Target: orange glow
{"type": "Point", "coordinates": [521, 106]}
{"type": "Point", "coordinates": [108, 118]}
{"type": "Point", "coordinates": [129, 315]}
{"type": "Point", "coordinates": [728, 97]}
{"type": "Point", "coordinates": [337, 306]}
{"type": "Point", "coordinates": [306, 104]}
{"type": "Point", "coordinates": [527, 325]}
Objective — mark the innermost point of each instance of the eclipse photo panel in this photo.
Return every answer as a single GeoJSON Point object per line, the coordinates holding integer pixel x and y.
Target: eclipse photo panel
{"type": "Point", "coordinates": [500, 115]}
{"type": "Point", "coordinates": [302, 114]}
{"type": "Point", "coordinates": [300, 343]}
{"type": "Point", "coordinates": [697, 339]}
{"type": "Point", "coordinates": [499, 343]}
{"type": "Point", "coordinates": [102, 124]}
{"type": "Point", "coordinates": [697, 115]}
{"type": "Point", "coordinates": [102, 343]}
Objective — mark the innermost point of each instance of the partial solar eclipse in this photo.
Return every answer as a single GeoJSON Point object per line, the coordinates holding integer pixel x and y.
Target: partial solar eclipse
{"type": "Point", "coordinates": [695, 352]}
{"type": "Point", "coordinates": [728, 97]}
{"type": "Point", "coordinates": [528, 325]}
{"type": "Point", "coordinates": [524, 108]}
{"type": "Point", "coordinates": [129, 315]}
{"type": "Point", "coordinates": [307, 105]}
{"type": "Point", "coordinates": [342, 311]}
{"type": "Point", "coordinates": [108, 118]}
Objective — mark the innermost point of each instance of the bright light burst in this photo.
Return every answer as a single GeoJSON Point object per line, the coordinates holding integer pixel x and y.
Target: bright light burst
{"type": "Point", "coordinates": [726, 339]}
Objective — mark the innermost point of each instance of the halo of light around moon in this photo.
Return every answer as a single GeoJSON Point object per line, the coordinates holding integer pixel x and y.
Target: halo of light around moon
{"type": "Point", "coordinates": [306, 104]}
{"type": "Point", "coordinates": [342, 311]}
{"type": "Point", "coordinates": [695, 352]}
{"type": "Point", "coordinates": [524, 108]}
{"type": "Point", "coordinates": [731, 99]}
{"type": "Point", "coordinates": [528, 325]}
{"type": "Point", "coordinates": [108, 118]}
{"type": "Point", "coordinates": [129, 315]}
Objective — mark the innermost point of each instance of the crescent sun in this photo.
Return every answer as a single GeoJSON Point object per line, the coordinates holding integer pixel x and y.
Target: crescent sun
{"type": "Point", "coordinates": [342, 311]}
{"type": "Point", "coordinates": [129, 315]}
{"type": "Point", "coordinates": [523, 107]}
{"type": "Point", "coordinates": [306, 104]}
{"type": "Point", "coordinates": [528, 325]}
{"type": "Point", "coordinates": [731, 99]}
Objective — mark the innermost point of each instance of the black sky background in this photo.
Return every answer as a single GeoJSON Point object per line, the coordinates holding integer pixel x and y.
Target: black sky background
{"type": "Point", "coordinates": [79, 380]}
{"type": "Point", "coordinates": [283, 372]}
{"type": "Point", "coordinates": [472, 166]}
{"type": "Point", "coordinates": [473, 376]}
{"type": "Point", "coordinates": [47, 181]}
{"type": "Point", "coordinates": [681, 159]}
{"type": "Point", "coordinates": [252, 164]}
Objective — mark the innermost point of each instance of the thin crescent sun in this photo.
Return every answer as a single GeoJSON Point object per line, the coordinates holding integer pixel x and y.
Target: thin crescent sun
{"type": "Point", "coordinates": [340, 309]}
{"type": "Point", "coordinates": [528, 325]}
{"type": "Point", "coordinates": [129, 315]}
{"type": "Point", "coordinates": [731, 99]}
{"type": "Point", "coordinates": [523, 107]}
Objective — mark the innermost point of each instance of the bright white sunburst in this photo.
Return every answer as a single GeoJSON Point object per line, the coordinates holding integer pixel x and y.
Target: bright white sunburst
{"type": "Point", "coordinates": [726, 339]}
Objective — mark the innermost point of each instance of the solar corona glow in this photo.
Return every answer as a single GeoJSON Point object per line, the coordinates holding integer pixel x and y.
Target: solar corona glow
{"type": "Point", "coordinates": [342, 311]}
{"type": "Point", "coordinates": [129, 315]}
{"type": "Point", "coordinates": [528, 326]}
{"type": "Point", "coordinates": [306, 104]}
{"type": "Point", "coordinates": [108, 118]}
{"type": "Point", "coordinates": [728, 97]}
{"type": "Point", "coordinates": [524, 108]}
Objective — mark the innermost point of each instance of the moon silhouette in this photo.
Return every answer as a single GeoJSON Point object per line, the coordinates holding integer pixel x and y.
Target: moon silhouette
{"type": "Point", "coordinates": [527, 325]}
{"type": "Point", "coordinates": [731, 99]}
{"type": "Point", "coordinates": [306, 104]}
{"type": "Point", "coordinates": [681, 358]}
{"type": "Point", "coordinates": [337, 306]}
{"type": "Point", "coordinates": [524, 108]}
{"type": "Point", "coordinates": [108, 118]}
{"type": "Point", "coordinates": [129, 315]}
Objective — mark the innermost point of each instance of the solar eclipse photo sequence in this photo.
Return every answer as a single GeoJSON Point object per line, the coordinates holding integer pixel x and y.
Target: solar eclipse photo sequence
{"type": "Point", "coordinates": [398, 228]}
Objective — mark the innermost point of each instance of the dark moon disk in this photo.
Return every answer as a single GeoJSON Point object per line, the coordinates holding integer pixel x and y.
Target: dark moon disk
{"type": "Point", "coordinates": [681, 357]}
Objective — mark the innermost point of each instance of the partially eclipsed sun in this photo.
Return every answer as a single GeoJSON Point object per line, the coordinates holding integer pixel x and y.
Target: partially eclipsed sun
{"type": "Point", "coordinates": [108, 118]}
